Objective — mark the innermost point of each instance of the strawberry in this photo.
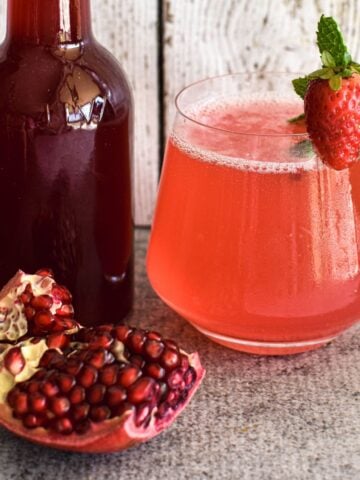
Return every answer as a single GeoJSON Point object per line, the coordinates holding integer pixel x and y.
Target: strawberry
{"type": "Point", "coordinates": [333, 121]}
{"type": "Point", "coordinates": [332, 100]}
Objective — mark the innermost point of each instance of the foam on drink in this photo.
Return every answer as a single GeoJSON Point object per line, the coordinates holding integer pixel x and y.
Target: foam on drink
{"type": "Point", "coordinates": [241, 133]}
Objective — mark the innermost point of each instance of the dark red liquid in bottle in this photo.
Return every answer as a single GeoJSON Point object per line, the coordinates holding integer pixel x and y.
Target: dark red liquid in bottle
{"type": "Point", "coordinates": [65, 151]}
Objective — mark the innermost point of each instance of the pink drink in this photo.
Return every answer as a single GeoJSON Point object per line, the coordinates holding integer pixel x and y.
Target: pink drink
{"type": "Point", "coordinates": [260, 255]}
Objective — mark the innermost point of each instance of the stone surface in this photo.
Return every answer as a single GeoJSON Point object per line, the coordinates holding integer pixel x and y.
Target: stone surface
{"type": "Point", "coordinates": [254, 418]}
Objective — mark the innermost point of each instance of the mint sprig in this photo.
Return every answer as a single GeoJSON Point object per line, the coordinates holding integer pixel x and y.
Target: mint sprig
{"type": "Point", "coordinates": [331, 42]}
{"type": "Point", "coordinates": [335, 58]}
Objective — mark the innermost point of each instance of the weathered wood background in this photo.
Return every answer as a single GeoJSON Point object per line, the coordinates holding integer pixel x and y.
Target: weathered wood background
{"type": "Point", "coordinates": [167, 44]}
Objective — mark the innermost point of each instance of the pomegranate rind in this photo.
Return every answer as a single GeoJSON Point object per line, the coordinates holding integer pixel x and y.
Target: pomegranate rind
{"type": "Point", "coordinates": [13, 320]}
{"type": "Point", "coordinates": [111, 435]}
{"type": "Point", "coordinates": [13, 323]}
{"type": "Point", "coordinates": [30, 352]}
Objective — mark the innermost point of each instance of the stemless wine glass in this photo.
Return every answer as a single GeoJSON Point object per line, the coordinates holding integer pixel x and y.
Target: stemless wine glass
{"type": "Point", "coordinates": [254, 240]}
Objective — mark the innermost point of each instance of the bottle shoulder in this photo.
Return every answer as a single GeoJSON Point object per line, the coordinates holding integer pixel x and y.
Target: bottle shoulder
{"type": "Point", "coordinates": [83, 78]}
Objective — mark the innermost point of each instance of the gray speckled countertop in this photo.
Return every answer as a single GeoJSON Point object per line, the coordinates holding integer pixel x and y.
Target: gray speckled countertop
{"type": "Point", "coordinates": [254, 418]}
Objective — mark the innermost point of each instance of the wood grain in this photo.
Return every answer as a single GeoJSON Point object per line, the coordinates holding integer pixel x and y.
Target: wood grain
{"type": "Point", "coordinates": [129, 30]}
{"type": "Point", "coordinates": [211, 37]}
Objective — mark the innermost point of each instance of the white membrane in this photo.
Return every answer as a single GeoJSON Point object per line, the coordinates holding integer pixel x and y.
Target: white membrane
{"type": "Point", "coordinates": [184, 137]}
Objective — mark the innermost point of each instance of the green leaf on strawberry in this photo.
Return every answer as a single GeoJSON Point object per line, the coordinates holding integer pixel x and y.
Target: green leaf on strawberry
{"type": "Point", "coordinates": [327, 59]}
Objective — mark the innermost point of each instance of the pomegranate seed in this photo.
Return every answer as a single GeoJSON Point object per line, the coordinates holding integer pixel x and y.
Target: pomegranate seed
{"type": "Point", "coordinates": [59, 406]}
{"type": "Point", "coordinates": [171, 344]}
{"type": "Point", "coordinates": [12, 395]}
{"type": "Point", "coordinates": [65, 382]}
{"type": "Point", "coordinates": [128, 375]}
{"type": "Point", "coordinates": [42, 302]}
{"type": "Point", "coordinates": [37, 403]}
{"type": "Point", "coordinates": [45, 272]}
{"type": "Point", "coordinates": [49, 388]}
{"type": "Point", "coordinates": [58, 340]}
{"type": "Point", "coordinates": [154, 336]}
{"type": "Point", "coordinates": [66, 310]}
{"type": "Point", "coordinates": [83, 427]}
{"type": "Point", "coordinates": [100, 413]}
{"type": "Point", "coordinates": [173, 398]}
{"type": "Point", "coordinates": [124, 407]}
{"type": "Point", "coordinates": [175, 379]}
{"type": "Point", "coordinates": [51, 358]}
{"type": "Point", "coordinates": [32, 421]}
{"type": "Point", "coordinates": [153, 349]}
{"type": "Point", "coordinates": [155, 370]}
{"type": "Point", "coordinates": [80, 355]}
{"type": "Point", "coordinates": [61, 293]}
{"type": "Point", "coordinates": [29, 312]}
{"type": "Point", "coordinates": [14, 361]}
{"type": "Point", "coordinates": [142, 390]}
{"type": "Point", "coordinates": [80, 412]}
{"type": "Point", "coordinates": [170, 359]}
{"type": "Point", "coordinates": [189, 378]}
{"type": "Point", "coordinates": [104, 340]}
{"type": "Point", "coordinates": [98, 358]}
{"type": "Point", "coordinates": [96, 394]}
{"type": "Point", "coordinates": [73, 366]}
{"type": "Point", "coordinates": [32, 387]}
{"type": "Point", "coordinates": [108, 375]}
{"type": "Point", "coordinates": [163, 409]}
{"type": "Point", "coordinates": [184, 362]}
{"type": "Point", "coordinates": [115, 395]}
{"type": "Point", "coordinates": [43, 319]}
{"type": "Point", "coordinates": [25, 297]}
{"type": "Point", "coordinates": [135, 341]}
{"type": "Point", "coordinates": [122, 332]}
{"type": "Point", "coordinates": [143, 415]}
{"type": "Point", "coordinates": [137, 360]}
{"type": "Point", "coordinates": [20, 403]}
{"type": "Point", "coordinates": [87, 376]}
{"type": "Point", "coordinates": [63, 426]}
{"type": "Point", "coordinates": [40, 374]}
{"type": "Point", "coordinates": [63, 323]}
{"type": "Point", "coordinates": [77, 395]}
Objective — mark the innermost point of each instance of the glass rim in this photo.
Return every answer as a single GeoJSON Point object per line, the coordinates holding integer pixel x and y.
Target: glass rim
{"type": "Point", "coordinates": [179, 110]}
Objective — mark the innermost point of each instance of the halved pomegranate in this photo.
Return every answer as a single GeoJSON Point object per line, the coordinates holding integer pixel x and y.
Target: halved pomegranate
{"type": "Point", "coordinates": [97, 389]}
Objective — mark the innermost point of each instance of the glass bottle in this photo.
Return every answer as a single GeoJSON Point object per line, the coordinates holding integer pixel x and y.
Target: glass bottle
{"type": "Point", "coordinates": [65, 157]}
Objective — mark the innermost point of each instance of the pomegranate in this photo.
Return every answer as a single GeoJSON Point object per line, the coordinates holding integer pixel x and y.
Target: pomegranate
{"type": "Point", "coordinates": [98, 389]}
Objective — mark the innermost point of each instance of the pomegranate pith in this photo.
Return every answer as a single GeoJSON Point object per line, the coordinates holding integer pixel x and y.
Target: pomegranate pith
{"type": "Point", "coordinates": [94, 389]}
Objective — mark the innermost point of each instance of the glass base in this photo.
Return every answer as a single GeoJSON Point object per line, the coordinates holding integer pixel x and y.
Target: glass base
{"type": "Point", "coordinates": [265, 348]}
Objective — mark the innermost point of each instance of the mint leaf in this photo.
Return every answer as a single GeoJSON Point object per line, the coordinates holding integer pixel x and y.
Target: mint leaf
{"type": "Point", "coordinates": [302, 149]}
{"type": "Point", "coordinates": [327, 59]}
{"type": "Point", "coordinates": [330, 39]}
{"type": "Point", "coordinates": [296, 119]}
{"type": "Point", "coordinates": [300, 85]}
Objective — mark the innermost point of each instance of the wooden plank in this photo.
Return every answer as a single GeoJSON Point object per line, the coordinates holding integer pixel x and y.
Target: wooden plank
{"type": "Point", "coordinates": [211, 37]}
{"type": "Point", "coordinates": [129, 30]}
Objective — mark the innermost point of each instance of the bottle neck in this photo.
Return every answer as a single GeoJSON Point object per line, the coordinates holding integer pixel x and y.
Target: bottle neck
{"type": "Point", "coordinates": [49, 22]}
